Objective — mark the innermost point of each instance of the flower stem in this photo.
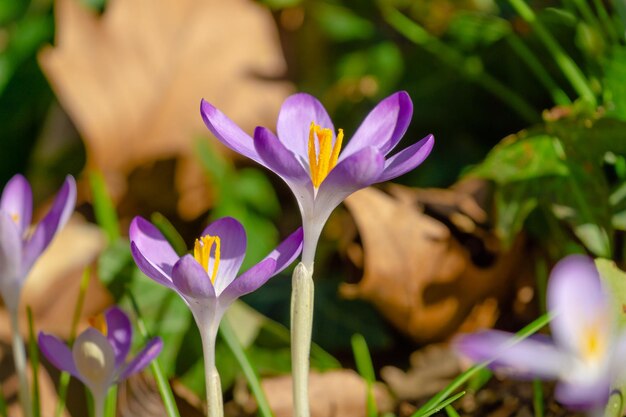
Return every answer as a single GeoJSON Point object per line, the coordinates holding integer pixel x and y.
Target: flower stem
{"type": "Point", "coordinates": [98, 405]}
{"type": "Point", "coordinates": [214, 401]}
{"type": "Point", "coordinates": [19, 357]}
{"type": "Point", "coordinates": [301, 328]}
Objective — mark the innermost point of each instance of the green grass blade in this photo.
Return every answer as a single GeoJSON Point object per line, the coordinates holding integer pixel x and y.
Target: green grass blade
{"type": "Point", "coordinates": [33, 352]}
{"type": "Point", "coordinates": [110, 406]}
{"type": "Point", "coordinates": [451, 412]}
{"type": "Point", "coordinates": [64, 379]}
{"type": "Point", "coordinates": [3, 405]}
{"type": "Point", "coordinates": [162, 384]}
{"type": "Point", "coordinates": [103, 207]}
{"type": "Point", "coordinates": [441, 406]}
{"type": "Point", "coordinates": [233, 343]}
{"type": "Point", "coordinates": [437, 400]}
{"type": "Point", "coordinates": [365, 367]}
{"type": "Point", "coordinates": [170, 233]}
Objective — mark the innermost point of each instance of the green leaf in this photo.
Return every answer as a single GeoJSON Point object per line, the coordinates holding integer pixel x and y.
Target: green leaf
{"type": "Point", "coordinates": [471, 30]}
{"type": "Point", "coordinates": [615, 280]}
{"type": "Point", "coordinates": [340, 23]}
{"type": "Point", "coordinates": [523, 157]}
{"type": "Point", "coordinates": [253, 189]}
{"type": "Point", "coordinates": [614, 91]}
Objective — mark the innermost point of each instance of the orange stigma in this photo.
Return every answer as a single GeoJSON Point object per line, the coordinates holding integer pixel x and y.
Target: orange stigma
{"type": "Point", "coordinates": [99, 323]}
{"type": "Point", "coordinates": [323, 158]}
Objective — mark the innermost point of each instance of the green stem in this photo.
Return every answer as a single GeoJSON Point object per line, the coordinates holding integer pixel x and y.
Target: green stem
{"type": "Point", "coordinates": [470, 67]}
{"type": "Point", "coordinates": [110, 405]}
{"type": "Point", "coordinates": [438, 399]}
{"type": "Point", "coordinates": [528, 57]}
{"type": "Point", "coordinates": [33, 352]}
{"type": "Point", "coordinates": [64, 379]}
{"type": "Point", "coordinates": [571, 71]}
{"type": "Point", "coordinates": [164, 387]}
{"type": "Point", "coordinates": [607, 22]}
{"type": "Point", "coordinates": [229, 336]}
{"type": "Point", "coordinates": [538, 398]}
{"type": "Point", "coordinates": [301, 329]}
{"type": "Point", "coordinates": [19, 357]}
{"type": "Point", "coordinates": [587, 14]}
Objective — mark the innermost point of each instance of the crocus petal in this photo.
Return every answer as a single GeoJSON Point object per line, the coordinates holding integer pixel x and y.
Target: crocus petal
{"type": "Point", "coordinates": [294, 122]}
{"type": "Point", "coordinates": [287, 251]}
{"type": "Point", "coordinates": [249, 281]}
{"type": "Point", "coordinates": [584, 395]}
{"type": "Point", "coordinates": [57, 353]}
{"type": "Point", "coordinates": [17, 201]}
{"type": "Point", "coordinates": [95, 360]}
{"type": "Point", "coordinates": [151, 251]}
{"type": "Point", "coordinates": [359, 170]}
{"type": "Point", "coordinates": [11, 274]}
{"type": "Point", "coordinates": [56, 218]}
{"type": "Point", "coordinates": [578, 302]}
{"type": "Point", "coordinates": [278, 158]}
{"type": "Point", "coordinates": [407, 159]}
{"type": "Point", "coordinates": [279, 259]}
{"type": "Point", "coordinates": [528, 358]}
{"type": "Point", "coordinates": [119, 333]}
{"type": "Point", "coordinates": [228, 132]}
{"type": "Point", "coordinates": [384, 126]}
{"type": "Point", "coordinates": [143, 358]}
{"type": "Point", "coordinates": [191, 280]}
{"type": "Point", "coordinates": [233, 249]}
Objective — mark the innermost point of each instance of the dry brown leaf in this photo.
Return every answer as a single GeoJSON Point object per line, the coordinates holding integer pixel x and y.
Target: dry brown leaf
{"type": "Point", "coordinates": [132, 80]}
{"type": "Point", "coordinates": [138, 396]}
{"type": "Point", "coordinates": [334, 393]}
{"type": "Point", "coordinates": [432, 368]}
{"type": "Point", "coordinates": [427, 274]}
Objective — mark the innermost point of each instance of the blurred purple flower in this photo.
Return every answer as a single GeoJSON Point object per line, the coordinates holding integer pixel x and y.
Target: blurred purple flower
{"type": "Point", "coordinates": [19, 246]}
{"type": "Point", "coordinates": [587, 352]}
{"type": "Point", "coordinates": [206, 280]}
{"type": "Point", "coordinates": [98, 356]}
{"type": "Point", "coordinates": [306, 153]}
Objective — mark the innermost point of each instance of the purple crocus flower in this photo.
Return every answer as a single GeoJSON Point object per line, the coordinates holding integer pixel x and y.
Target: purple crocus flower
{"type": "Point", "coordinates": [206, 280]}
{"type": "Point", "coordinates": [586, 353]}
{"type": "Point", "coordinates": [98, 355]}
{"type": "Point", "coordinates": [307, 155]}
{"type": "Point", "coordinates": [19, 246]}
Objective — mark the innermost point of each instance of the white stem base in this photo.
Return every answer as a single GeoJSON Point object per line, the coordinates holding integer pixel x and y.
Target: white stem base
{"type": "Point", "coordinates": [215, 405]}
{"type": "Point", "coordinates": [19, 357]}
{"type": "Point", "coordinates": [301, 328]}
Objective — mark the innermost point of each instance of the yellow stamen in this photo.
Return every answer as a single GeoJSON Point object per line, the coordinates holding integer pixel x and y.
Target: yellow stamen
{"type": "Point", "coordinates": [322, 163]}
{"type": "Point", "coordinates": [99, 323]}
{"type": "Point", "coordinates": [15, 217]}
{"type": "Point", "coordinates": [202, 253]}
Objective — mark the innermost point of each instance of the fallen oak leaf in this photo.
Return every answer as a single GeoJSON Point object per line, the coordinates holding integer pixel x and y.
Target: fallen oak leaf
{"type": "Point", "coordinates": [132, 79]}
{"type": "Point", "coordinates": [423, 272]}
{"type": "Point", "coordinates": [334, 393]}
